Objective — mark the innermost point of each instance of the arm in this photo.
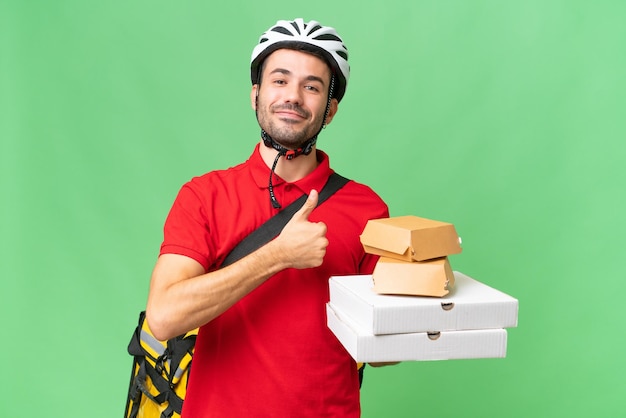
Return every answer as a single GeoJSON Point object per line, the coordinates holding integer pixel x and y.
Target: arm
{"type": "Point", "coordinates": [183, 297]}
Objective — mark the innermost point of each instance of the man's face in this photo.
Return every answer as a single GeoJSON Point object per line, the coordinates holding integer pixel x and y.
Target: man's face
{"type": "Point", "coordinates": [292, 97]}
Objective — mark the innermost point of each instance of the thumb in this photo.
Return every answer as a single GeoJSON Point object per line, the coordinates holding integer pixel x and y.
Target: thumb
{"type": "Point", "coordinates": [309, 205]}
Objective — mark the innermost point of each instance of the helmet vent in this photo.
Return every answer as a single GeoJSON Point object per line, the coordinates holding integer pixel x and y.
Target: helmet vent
{"type": "Point", "coordinates": [282, 30]}
{"type": "Point", "coordinates": [295, 26]}
{"type": "Point", "coordinates": [327, 37]}
{"type": "Point", "coordinates": [315, 28]}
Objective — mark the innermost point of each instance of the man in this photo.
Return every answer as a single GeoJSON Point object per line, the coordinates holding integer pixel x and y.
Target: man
{"type": "Point", "coordinates": [263, 348]}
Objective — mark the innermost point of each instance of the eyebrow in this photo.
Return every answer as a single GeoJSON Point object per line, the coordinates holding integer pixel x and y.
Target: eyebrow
{"type": "Point", "coordinates": [287, 72]}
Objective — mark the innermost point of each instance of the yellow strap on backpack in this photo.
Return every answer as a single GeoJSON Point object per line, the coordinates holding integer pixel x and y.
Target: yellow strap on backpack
{"type": "Point", "coordinates": [159, 375]}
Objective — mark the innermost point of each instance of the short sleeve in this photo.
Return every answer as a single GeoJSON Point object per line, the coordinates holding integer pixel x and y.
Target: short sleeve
{"type": "Point", "coordinates": [186, 231]}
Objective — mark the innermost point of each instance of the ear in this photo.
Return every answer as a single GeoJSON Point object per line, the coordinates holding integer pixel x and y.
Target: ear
{"type": "Point", "coordinates": [253, 95]}
{"type": "Point", "coordinates": [332, 111]}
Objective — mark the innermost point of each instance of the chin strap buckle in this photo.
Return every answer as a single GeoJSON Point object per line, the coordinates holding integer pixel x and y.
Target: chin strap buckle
{"type": "Point", "coordinates": [291, 154]}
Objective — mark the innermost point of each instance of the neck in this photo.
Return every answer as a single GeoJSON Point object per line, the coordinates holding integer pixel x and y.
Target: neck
{"type": "Point", "coordinates": [289, 170]}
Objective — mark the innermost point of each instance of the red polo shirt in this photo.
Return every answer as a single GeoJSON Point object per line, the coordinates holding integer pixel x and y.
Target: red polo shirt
{"type": "Point", "coordinates": [271, 354]}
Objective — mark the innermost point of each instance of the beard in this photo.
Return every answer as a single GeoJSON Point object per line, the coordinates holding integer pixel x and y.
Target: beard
{"type": "Point", "coordinates": [288, 133]}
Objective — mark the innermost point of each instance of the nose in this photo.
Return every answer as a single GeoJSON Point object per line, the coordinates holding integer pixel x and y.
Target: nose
{"type": "Point", "coordinates": [293, 94]}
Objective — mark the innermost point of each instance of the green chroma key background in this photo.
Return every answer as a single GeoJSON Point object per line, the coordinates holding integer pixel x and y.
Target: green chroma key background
{"type": "Point", "coordinates": [505, 118]}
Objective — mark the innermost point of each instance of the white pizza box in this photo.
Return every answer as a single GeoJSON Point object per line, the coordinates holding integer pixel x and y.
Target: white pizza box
{"type": "Point", "coordinates": [469, 305]}
{"type": "Point", "coordinates": [365, 347]}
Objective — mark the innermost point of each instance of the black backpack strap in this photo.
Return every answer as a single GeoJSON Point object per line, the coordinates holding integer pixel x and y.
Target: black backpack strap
{"type": "Point", "coordinates": [272, 227]}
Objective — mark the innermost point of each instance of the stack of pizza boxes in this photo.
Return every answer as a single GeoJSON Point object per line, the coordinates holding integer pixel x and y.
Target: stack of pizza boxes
{"type": "Point", "coordinates": [414, 306]}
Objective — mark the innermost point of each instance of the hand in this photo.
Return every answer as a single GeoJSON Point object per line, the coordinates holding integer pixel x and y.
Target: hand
{"type": "Point", "coordinates": [303, 243]}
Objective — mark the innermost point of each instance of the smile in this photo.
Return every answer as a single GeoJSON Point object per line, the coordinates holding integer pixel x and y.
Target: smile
{"type": "Point", "coordinates": [289, 115]}
{"type": "Point", "coordinates": [290, 112]}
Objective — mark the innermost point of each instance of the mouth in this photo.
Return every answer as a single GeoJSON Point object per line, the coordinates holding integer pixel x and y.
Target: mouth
{"type": "Point", "coordinates": [290, 113]}
{"type": "Point", "coordinates": [289, 116]}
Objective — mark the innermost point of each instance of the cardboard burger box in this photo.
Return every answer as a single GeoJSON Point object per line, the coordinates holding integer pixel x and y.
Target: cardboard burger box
{"type": "Point", "coordinates": [425, 278]}
{"type": "Point", "coordinates": [445, 345]}
{"type": "Point", "coordinates": [410, 238]}
{"type": "Point", "coordinates": [471, 305]}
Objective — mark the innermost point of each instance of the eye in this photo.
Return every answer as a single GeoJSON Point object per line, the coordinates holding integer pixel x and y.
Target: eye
{"type": "Point", "coordinates": [312, 88]}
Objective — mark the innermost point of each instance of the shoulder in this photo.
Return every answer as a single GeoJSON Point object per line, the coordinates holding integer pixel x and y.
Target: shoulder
{"type": "Point", "coordinates": [231, 174]}
{"type": "Point", "coordinates": [362, 191]}
{"type": "Point", "coordinates": [360, 200]}
{"type": "Point", "coordinates": [216, 180]}
{"type": "Point", "coordinates": [215, 191]}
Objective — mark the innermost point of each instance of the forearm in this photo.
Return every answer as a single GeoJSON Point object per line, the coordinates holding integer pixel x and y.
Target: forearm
{"type": "Point", "coordinates": [177, 306]}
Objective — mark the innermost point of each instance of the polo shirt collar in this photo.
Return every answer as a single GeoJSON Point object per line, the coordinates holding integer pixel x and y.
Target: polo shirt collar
{"type": "Point", "coordinates": [315, 180]}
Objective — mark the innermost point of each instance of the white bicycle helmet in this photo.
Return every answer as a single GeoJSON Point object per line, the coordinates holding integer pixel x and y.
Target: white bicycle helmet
{"type": "Point", "coordinates": [310, 36]}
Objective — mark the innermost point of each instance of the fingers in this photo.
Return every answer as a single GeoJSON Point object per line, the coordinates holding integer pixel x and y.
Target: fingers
{"type": "Point", "coordinates": [303, 243]}
{"type": "Point", "coordinates": [310, 204]}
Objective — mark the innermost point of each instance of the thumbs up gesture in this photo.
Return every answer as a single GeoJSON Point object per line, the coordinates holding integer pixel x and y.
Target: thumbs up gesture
{"type": "Point", "coordinates": [303, 243]}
